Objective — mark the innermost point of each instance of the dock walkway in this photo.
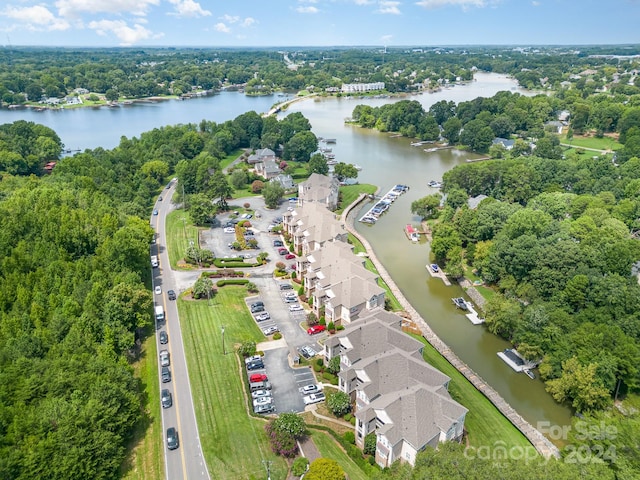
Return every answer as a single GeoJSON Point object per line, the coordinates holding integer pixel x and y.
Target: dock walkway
{"type": "Point", "coordinates": [542, 444]}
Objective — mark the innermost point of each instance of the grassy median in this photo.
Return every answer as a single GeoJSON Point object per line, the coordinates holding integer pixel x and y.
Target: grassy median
{"type": "Point", "coordinates": [233, 442]}
{"type": "Point", "coordinates": [179, 232]}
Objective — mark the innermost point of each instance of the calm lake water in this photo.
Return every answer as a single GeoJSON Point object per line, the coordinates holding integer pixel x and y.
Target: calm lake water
{"type": "Point", "coordinates": [385, 161]}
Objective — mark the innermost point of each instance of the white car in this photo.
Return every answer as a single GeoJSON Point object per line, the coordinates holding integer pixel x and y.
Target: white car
{"type": "Point", "coordinates": [313, 398]}
{"type": "Point", "coordinates": [270, 330]}
{"type": "Point", "coordinates": [262, 316]}
{"type": "Point", "coordinates": [229, 230]}
{"type": "Point", "coordinates": [263, 401]}
{"type": "Point", "coordinates": [261, 393]}
{"type": "Point", "coordinates": [158, 290]}
{"type": "Point", "coordinates": [296, 308]}
{"type": "Point", "coordinates": [309, 389]}
{"type": "Point", "coordinates": [164, 358]}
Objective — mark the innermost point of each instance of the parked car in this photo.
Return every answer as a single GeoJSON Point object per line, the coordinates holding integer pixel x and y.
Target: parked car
{"type": "Point", "coordinates": [260, 409]}
{"type": "Point", "coordinates": [261, 317]}
{"type": "Point", "coordinates": [229, 230]}
{"type": "Point", "coordinates": [166, 375]}
{"type": "Point", "coordinates": [257, 377]}
{"type": "Point", "coordinates": [166, 399]}
{"type": "Point", "coordinates": [159, 199]}
{"type": "Point", "coordinates": [278, 243]}
{"type": "Point", "coordinates": [283, 251]}
{"type": "Point", "coordinates": [309, 389]}
{"type": "Point", "coordinates": [164, 358]}
{"type": "Point", "coordinates": [259, 303]}
{"type": "Point", "coordinates": [286, 286]}
{"type": "Point", "coordinates": [255, 365]}
{"type": "Point", "coordinates": [290, 299]}
{"type": "Point", "coordinates": [264, 385]}
{"type": "Point", "coordinates": [307, 352]}
{"type": "Point", "coordinates": [262, 401]}
{"type": "Point", "coordinates": [158, 290]}
{"type": "Point", "coordinates": [270, 330]}
{"type": "Point", "coordinates": [172, 438]}
{"type": "Point", "coordinates": [296, 307]}
{"type": "Point", "coordinates": [248, 232]}
{"type": "Point", "coordinates": [164, 338]}
{"type": "Point", "coordinates": [257, 308]}
{"type": "Point", "coordinates": [313, 398]}
{"type": "Point", "coordinates": [252, 358]}
{"type": "Point", "coordinates": [289, 256]}
{"type": "Point", "coordinates": [316, 329]}
{"type": "Point", "coordinates": [261, 393]}
{"type": "Point", "coordinates": [171, 294]}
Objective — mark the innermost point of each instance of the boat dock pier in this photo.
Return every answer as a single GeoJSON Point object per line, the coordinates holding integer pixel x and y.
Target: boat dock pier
{"type": "Point", "coordinates": [383, 205]}
{"type": "Point", "coordinates": [541, 443]}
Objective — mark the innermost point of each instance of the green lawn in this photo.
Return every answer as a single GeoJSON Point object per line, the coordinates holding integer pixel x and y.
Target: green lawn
{"type": "Point", "coordinates": [484, 423]}
{"type": "Point", "coordinates": [329, 448]}
{"type": "Point", "coordinates": [604, 143]}
{"type": "Point", "coordinates": [486, 292]}
{"type": "Point", "coordinates": [350, 192]}
{"type": "Point", "coordinates": [581, 152]}
{"type": "Point", "coordinates": [226, 161]}
{"type": "Point", "coordinates": [234, 443]}
{"type": "Point", "coordinates": [145, 459]}
{"type": "Point", "coordinates": [393, 301]}
{"type": "Point", "coordinates": [180, 231]}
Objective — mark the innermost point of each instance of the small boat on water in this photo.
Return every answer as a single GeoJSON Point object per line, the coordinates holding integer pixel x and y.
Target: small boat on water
{"type": "Point", "coordinates": [332, 162]}
{"type": "Point", "coordinates": [329, 140]}
{"type": "Point", "coordinates": [357, 167]}
{"type": "Point", "coordinates": [429, 150]}
{"type": "Point", "coordinates": [460, 302]}
{"type": "Point", "coordinates": [435, 184]}
{"type": "Point", "coordinates": [529, 374]}
{"type": "Point", "coordinates": [412, 233]}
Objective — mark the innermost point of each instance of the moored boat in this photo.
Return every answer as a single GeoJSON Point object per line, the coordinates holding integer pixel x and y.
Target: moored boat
{"type": "Point", "coordinates": [412, 233]}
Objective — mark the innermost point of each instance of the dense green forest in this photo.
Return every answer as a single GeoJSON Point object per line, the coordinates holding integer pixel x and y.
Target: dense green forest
{"type": "Point", "coordinates": [74, 282]}
{"type": "Point", "coordinates": [30, 73]}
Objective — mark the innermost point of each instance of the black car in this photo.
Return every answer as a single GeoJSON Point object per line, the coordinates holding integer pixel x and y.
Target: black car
{"type": "Point", "coordinates": [257, 309]}
{"type": "Point", "coordinates": [278, 243]}
{"type": "Point", "coordinates": [171, 294]}
{"type": "Point", "coordinates": [166, 375]}
{"type": "Point", "coordinates": [166, 398]}
{"type": "Point", "coordinates": [172, 438]}
{"type": "Point", "coordinates": [255, 365]}
{"type": "Point", "coordinates": [164, 338]}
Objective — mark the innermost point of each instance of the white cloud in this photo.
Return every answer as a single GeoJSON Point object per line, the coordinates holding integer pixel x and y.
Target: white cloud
{"type": "Point", "coordinates": [308, 1]}
{"type": "Point", "coordinates": [188, 8]}
{"type": "Point", "coordinates": [535, 4]}
{"type": "Point", "coordinates": [221, 27]}
{"type": "Point", "coordinates": [386, 38]}
{"type": "Point", "coordinates": [247, 22]}
{"type": "Point", "coordinates": [230, 18]}
{"type": "Point", "coordinates": [308, 9]}
{"type": "Point", "coordinates": [363, 2]}
{"type": "Point", "coordinates": [456, 3]}
{"type": "Point", "coordinates": [36, 17]}
{"type": "Point", "coordinates": [74, 8]}
{"type": "Point", "coordinates": [126, 34]}
{"type": "Point", "coordinates": [388, 7]}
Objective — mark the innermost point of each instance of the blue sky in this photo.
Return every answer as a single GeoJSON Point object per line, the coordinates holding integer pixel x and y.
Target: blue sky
{"type": "Point", "coordinates": [214, 23]}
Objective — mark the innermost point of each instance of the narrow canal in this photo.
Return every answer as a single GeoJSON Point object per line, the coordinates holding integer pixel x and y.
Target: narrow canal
{"type": "Point", "coordinates": [388, 160]}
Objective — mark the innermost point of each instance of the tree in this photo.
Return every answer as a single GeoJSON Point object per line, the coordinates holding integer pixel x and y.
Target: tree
{"type": "Point", "coordinates": [339, 403]}
{"type": "Point", "coordinates": [203, 288]}
{"type": "Point", "coordinates": [345, 170]}
{"type": "Point", "coordinates": [579, 384]}
{"type": "Point", "coordinates": [318, 164]}
{"type": "Point", "coordinates": [201, 210]}
{"type": "Point", "coordinates": [111, 95]}
{"type": "Point", "coordinates": [324, 469]}
{"type": "Point", "coordinates": [300, 147]}
{"type": "Point", "coordinates": [239, 179]}
{"type": "Point", "coordinates": [221, 189]}
{"type": "Point", "coordinates": [334, 365]}
{"type": "Point", "coordinates": [451, 130]}
{"type": "Point", "coordinates": [257, 186]}
{"type": "Point", "coordinates": [426, 207]}
{"type": "Point", "coordinates": [370, 444]}
{"type": "Point", "coordinates": [247, 349]}
{"type": "Point", "coordinates": [272, 193]}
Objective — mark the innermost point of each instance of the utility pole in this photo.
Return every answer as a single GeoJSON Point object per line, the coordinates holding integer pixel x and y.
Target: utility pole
{"type": "Point", "coordinates": [267, 464]}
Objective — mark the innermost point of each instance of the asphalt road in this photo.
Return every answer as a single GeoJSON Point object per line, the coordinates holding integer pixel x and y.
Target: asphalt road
{"type": "Point", "coordinates": [187, 461]}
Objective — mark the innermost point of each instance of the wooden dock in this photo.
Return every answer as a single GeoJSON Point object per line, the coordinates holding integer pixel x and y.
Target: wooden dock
{"type": "Point", "coordinates": [541, 443]}
{"type": "Point", "coordinates": [439, 274]}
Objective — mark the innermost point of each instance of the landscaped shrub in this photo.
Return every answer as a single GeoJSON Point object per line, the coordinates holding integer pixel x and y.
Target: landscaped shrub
{"type": "Point", "coordinates": [339, 403]}
{"type": "Point", "coordinates": [340, 327]}
{"type": "Point", "coordinates": [334, 365]}
{"type": "Point", "coordinates": [252, 287]}
{"type": "Point", "coordinates": [236, 281]}
{"type": "Point", "coordinates": [317, 368]}
{"type": "Point", "coordinates": [320, 362]}
{"type": "Point", "coordinates": [247, 349]}
{"type": "Point", "coordinates": [370, 444]}
{"type": "Point", "coordinates": [349, 436]}
{"type": "Point", "coordinates": [322, 321]}
{"type": "Point", "coordinates": [257, 186]}
{"type": "Point", "coordinates": [294, 275]}
{"type": "Point", "coordinates": [246, 205]}
{"type": "Point", "coordinates": [277, 336]}
{"type": "Point", "coordinates": [331, 326]}
{"type": "Point", "coordinates": [237, 264]}
{"type": "Point", "coordinates": [282, 442]}
{"type": "Point", "coordinates": [299, 466]}
{"type": "Point", "coordinates": [331, 378]}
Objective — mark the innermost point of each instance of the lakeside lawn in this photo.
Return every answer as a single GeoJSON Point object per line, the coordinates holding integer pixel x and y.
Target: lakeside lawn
{"type": "Point", "coordinates": [145, 458]}
{"type": "Point", "coordinates": [484, 423]}
{"type": "Point", "coordinates": [329, 448]}
{"type": "Point", "coordinates": [349, 193]}
{"type": "Point", "coordinates": [393, 301]}
{"type": "Point", "coordinates": [179, 232]}
{"type": "Point", "coordinates": [234, 443]}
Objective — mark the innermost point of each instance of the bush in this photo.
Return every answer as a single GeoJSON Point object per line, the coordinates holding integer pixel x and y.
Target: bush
{"type": "Point", "coordinates": [349, 436]}
{"type": "Point", "coordinates": [246, 205]}
{"type": "Point", "coordinates": [247, 349]}
{"type": "Point", "coordinates": [353, 421]}
{"type": "Point", "coordinates": [277, 336]}
{"type": "Point", "coordinates": [294, 275]}
{"type": "Point", "coordinates": [322, 321]}
{"type": "Point", "coordinates": [331, 326]}
{"type": "Point", "coordinates": [317, 368]}
{"type": "Point", "coordinates": [299, 466]}
{"type": "Point", "coordinates": [340, 327]}
{"type": "Point", "coordinates": [330, 377]}
{"type": "Point", "coordinates": [370, 444]}
{"type": "Point", "coordinates": [257, 186]}
{"type": "Point", "coordinates": [282, 442]}
{"type": "Point", "coordinates": [339, 403]}
{"type": "Point", "coordinates": [237, 281]}
{"type": "Point", "coordinates": [371, 460]}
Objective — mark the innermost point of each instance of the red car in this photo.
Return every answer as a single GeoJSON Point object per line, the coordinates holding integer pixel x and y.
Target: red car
{"type": "Point", "coordinates": [257, 377]}
{"type": "Point", "coordinates": [316, 329]}
{"type": "Point", "coordinates": [289, 256]}
{"type": "Point", "coordinates": [283, 251]}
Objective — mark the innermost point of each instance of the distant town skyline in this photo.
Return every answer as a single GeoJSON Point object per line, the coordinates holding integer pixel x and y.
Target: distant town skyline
{"type": "Point", "coordinates": [273, 23]}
